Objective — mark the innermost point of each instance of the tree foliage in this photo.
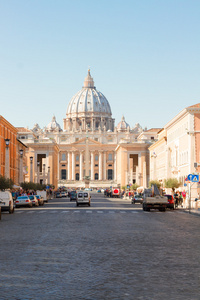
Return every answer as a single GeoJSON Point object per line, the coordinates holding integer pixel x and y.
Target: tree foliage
{"type": "Point", "coordinates": [33, 186]}
{"type": "Point", "coordinates": [5, 183]}
{"type": "Point", "coordinates": [134, 186]}
{"type": "Point", "coordinates": [156, 182]}
{"type": "Point", "coordinates": [171, 183]}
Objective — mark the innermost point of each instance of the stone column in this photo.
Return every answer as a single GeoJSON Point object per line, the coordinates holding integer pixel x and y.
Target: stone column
{"type": "Point", "coordinates": [104, 166]}
{"type": "Point", "coordinates": [100, 165]}
{"type": "Point", "coordinates": [81, 165]}
{"type": "Point", "coordinates": [48, 175]}
{"type": "Point", "coordinates": [92, 165]}
{"type": "Point", "coordinates": [38, 172]}
{"type": "Point", "coordinates": [43, 173]}
{"type": "Point", "coordinates": [21, 169]}
{"type": "Point", "coordinates": [68, 166]}
{"type": "Point", "coordinates": [73, 165]}
{"type": "Point", "coordinates": [115, 166]}
{"type": "Point", "coordinates": [144, 175]}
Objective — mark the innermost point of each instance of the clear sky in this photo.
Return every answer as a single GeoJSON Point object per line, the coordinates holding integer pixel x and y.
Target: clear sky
{"type": "Point", "coordinates": [144, 57]}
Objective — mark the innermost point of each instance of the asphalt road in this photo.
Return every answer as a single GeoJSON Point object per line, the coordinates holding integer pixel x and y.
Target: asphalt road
{"type": "Point", "coordinates": [111, 250]}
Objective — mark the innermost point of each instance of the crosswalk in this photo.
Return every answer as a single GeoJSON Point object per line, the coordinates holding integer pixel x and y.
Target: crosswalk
{"type": "Point", "coordinates": [76, 212]}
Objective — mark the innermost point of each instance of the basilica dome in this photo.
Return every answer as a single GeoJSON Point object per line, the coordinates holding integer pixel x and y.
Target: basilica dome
{"type": "Point", "coordinates": [88, 108]}
{"type": "Point", "coordinates": [123, 126]}
{"type": "Point", "coordinates": [53, 125]}
{"type": "Point", "coordinates": [89, 100]}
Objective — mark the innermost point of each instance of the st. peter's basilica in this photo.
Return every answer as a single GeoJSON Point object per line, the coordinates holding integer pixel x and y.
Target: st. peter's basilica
{"type": "Point", "coordinates": [90, 150]}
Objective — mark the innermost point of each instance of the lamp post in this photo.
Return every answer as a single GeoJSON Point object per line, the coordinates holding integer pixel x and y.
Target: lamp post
{"type": "Point", "coordinates": [44, 181]}
{"type": "Point", "coordinates": [48, 175]}
{"type": "Point", "coordinates": [38, 172]}
{"type": "Point", "coordinates": [31, 168]}
{"type": "Point", "coordinates": [21, 151]}
{"type": "Point", "coordinates": [7, 159]}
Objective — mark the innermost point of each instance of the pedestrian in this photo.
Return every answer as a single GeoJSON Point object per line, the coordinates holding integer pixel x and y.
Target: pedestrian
{"type": "Point", "coordinates": [176, 199]}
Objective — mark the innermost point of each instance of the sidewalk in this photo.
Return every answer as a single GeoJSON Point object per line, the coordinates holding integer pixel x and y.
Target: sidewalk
{"type": "Point", "coordinates": [192, 211]}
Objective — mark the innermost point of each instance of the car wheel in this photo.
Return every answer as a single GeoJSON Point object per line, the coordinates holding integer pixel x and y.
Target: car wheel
{"type": "Point", "coordinates": [88, 204]}
{"type": "Point", "coordinates": [77, 204]}
{"type": "Point", "coordinates": [10, 210]}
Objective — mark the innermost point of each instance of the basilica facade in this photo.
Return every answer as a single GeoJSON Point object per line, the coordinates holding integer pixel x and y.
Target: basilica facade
{"type": "Point", "coordinates": [90, 150]}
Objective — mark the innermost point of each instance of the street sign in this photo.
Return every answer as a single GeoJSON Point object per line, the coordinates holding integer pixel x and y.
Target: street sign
{"type": "Point", "coordinates": [128, 186]}
{"type": "Point", "coordinates": [193, 178]}
{"type": "Point", "coordinates": [190, 177]}
{"type": "Point", "coordinates": [185, 184]}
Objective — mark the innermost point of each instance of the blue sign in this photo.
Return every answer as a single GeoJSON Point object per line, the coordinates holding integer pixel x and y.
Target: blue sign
{"type": "Point", "coordinates": [128, 186]}
{"type": "Point", "coordinates": [185, 184]}
{"type": "Point", "coordinates": [193, 178]}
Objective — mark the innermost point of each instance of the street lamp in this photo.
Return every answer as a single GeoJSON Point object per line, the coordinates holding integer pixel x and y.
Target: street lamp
{"type": "Point", "coordinates": [31, 168]}
{"type": "Point", "coordinates": [38, 172]}
{"type": "Point", "coordinates": [7, 159]}
{"type": "Point", "coordinates": [48, 175]}
{"type": "Point", "coordinates": [44, 181]}
{"type": "Point", "coordinates": [21, 151]}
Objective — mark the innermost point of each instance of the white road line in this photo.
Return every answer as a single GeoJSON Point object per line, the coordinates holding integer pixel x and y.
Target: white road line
{"type": "Point", "coordinates": [88, 211]}
{"type": "Point", "coordinates": [65, 211]}
{"type": "Point", "coordinates": [30, 212]}
{"type": "Point", "coordinates": [122, 212]}
{"type": "Point", "coordinates": [77, 211]}
{"type": "Point", "coordinates": [99, 211]}
{"type": "Point", "coordinates": [134, 212]}
{"type": "Point", "coordinates": [42, 212]}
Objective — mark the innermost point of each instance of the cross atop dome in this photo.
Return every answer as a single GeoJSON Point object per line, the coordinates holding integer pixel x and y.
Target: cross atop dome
{"type": "Point", "coordinates": [89, 82]}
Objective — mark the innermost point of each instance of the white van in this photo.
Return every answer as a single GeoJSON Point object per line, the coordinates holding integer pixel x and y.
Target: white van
{"type": "Point", "coordinates": [6, 202]}
{"type": "Point", "coordinates": [83, 197]}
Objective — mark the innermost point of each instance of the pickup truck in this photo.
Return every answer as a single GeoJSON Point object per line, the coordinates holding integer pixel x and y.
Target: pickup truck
{"type": "Point", "coordinates": [153, 200]}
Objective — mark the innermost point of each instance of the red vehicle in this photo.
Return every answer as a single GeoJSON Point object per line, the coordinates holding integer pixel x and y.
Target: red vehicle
{"type": "Point", "coordinates": [170, 201]}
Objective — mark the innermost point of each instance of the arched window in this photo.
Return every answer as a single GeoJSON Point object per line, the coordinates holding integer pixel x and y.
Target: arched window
{"type": "Point", "coordinates": [96, 157]}
{"type": "Point", "coordinates": [63, 157]}
{"type": "Point", "coordinates": [77, 176]}
{"type": "Point", "coordinates": [110, 156]}
{"type": "Point", "coordinates": [110, 174]}
{"type": "Point", "coordinates": [77, 157]}
{"type": "Point", "coordinates": [96, 176]}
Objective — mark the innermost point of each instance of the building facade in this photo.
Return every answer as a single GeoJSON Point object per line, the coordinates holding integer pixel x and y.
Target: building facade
{"type": "Point", "coordinates": [87, 151]}
{"type": "Point", "coordinates": [176, 154]}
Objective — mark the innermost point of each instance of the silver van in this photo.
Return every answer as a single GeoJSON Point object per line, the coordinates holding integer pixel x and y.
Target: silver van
{"type": "Point", "coordinates": [83, 197]}
{"type": "Point", "coordinates": [6, 202]}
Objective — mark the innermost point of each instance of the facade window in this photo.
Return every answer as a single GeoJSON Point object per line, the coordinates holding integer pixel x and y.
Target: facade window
{"type": "Point", "coordinates": [96, 139]}
{"type": "Point", "coordinates": [63, 174]}
{"type": "Point", "coordinates": [77, 157]}
{"type": "Point", "coordinates": [96, 157]}
{"type": "Point", "coordinates": [96, 176]}
{"type": "Point", "coordinates": [110, 174]}
{"type": "Point", "coordinates": [63, 165]}
{"type": "Point", "coordinates": [63, 156]}
{"type": "Point", "coordinates": [77, 139]}
{"type": "Point", "coordinates": [110, 156]}
{"type": "Point", "coordinates": [152, 137]}
{"type": "Point", "coordinates": [77, 176]}
{"type": "Point", "coordinates": [96, 165]}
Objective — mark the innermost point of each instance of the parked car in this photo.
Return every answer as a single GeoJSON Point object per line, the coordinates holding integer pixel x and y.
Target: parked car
{"type": "Point", "coordinates": [83, 198]}
{"type": "Point", "coordinates": [40, 199]}
{"type": "Point", "coordinates": [63, 194]}
{"type": "Point", "coordinates": [58, 195]}
{"type": "Point", "coordinates": [34, 200]}
{"type": "Point", "coordinates": [23, 201]}
{"type": "Point", "coordinates": [43, 195]}
{"type": "Point", "coordinates": [6, 202]}
{"type": "Point", "coordinates": [171, 203]}
{"type": "Point", "coordinates": [73, 195]}
{"type": "Point", "coordinates": [137, 199]}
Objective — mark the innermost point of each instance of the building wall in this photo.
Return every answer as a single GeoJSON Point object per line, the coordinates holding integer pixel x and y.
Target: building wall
{"type": "Point", "coordinates": [8, 131]}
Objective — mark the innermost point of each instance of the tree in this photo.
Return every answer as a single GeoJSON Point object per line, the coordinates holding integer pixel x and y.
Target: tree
{"type": "Point", "coordinates": [172, 183]}
{"type": "Point", "coordinates": [134, 186]}
{"type": "Point", "coordinates": [156, 182]}
{"type": "Point", "coordinates": [5, 183]}
{"type": "Point", "coordinates": [33, 186]}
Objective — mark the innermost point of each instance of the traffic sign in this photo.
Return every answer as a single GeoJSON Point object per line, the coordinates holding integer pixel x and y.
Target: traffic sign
{"type": "Point", "coordinates": [193, 177]}
{"type": "Point", "coordinates": [128, 186]}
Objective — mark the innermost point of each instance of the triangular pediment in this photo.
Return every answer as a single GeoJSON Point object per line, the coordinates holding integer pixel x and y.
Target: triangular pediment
{"type": "Point", "coordinates": [83, 142]}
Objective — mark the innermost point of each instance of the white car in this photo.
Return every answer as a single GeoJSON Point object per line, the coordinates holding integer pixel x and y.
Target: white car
{"type": "Point", "coordinates": [83, 197]}
{"type": "Point", "coordinates": [6, 202]}
{"type": "Point", "coordinates": [34, 200]}
{"type": "Point", "coordinates": [23, 201]}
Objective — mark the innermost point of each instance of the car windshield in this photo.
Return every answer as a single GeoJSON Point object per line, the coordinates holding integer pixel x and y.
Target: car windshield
{"type": "Point", "coordinates": [80, 195]}
{"type": "Point", "coordinates": [38, 197]}
{"type": "Point", "coordinates": [31, 197]}
{"type": "Point", "coordinates": [85, 194]}
{"type": "Point", "coordinates": [22, 197]}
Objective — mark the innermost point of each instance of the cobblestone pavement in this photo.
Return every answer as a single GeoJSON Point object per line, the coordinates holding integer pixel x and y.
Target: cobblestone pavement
{"type": "Point", "coordinates": [111, 250]}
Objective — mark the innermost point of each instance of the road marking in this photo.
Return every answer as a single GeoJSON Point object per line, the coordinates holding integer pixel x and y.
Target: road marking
{"type": "Point", "coordinates": [99, 211]}
{"type": "Point", "coordinates": [30, 212]}
{"type": "Point", "coordinates": [122, 212]}
{"type": "Point", "coordinates": [42, 211]}
{"type": "Point", "coordinates": [77, 211]}
{"type": "Point", "coordinates": [88, 211]}
{"type": "Point", "coordinates": [65, 211]}
{"type": "Point", "coordinates": [53, 211]}
{"type": "Point", "coordinates": [18, 212]}
{"type": "Point", "coordinates": [134, 212]}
